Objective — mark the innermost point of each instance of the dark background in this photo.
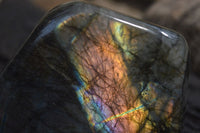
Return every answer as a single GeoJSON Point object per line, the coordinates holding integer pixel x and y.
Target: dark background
{"type": "Point", "coordinates": [19, 17]}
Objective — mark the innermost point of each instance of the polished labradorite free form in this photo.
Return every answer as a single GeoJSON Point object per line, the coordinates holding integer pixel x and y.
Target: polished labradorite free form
{"type": "Point", "coordinates": [88, 69]}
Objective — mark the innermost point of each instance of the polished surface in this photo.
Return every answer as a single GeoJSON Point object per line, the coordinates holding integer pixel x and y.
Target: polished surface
{"type": "Point", "coordinates": [88, 69]}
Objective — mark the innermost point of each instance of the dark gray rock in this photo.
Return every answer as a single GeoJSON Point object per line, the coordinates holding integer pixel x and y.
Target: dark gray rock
{"type": "Point", "coordinates": [88, 69]}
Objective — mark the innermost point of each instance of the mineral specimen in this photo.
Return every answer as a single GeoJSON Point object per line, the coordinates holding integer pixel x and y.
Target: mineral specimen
{"type": "Point", "coordinates": [88, 69]}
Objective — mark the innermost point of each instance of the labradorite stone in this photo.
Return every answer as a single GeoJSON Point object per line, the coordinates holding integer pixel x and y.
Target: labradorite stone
{"type": "Point", "coordinates": [88, 69]}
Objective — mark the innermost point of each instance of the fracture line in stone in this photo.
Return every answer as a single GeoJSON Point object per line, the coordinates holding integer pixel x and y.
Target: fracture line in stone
{"type": "Point", "coordinates": [123, 113]}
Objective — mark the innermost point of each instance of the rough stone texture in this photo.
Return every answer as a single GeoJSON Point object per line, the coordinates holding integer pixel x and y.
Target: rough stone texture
{"type": "Point", "coordinates": [182, 16]}
{"type": "Point", "coordinates": [93, 67]}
